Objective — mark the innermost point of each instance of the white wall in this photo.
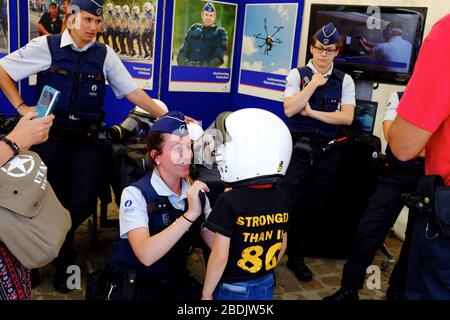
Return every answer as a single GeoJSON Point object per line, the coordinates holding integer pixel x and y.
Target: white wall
{"type": "Point", "coordinates": [436, 10]}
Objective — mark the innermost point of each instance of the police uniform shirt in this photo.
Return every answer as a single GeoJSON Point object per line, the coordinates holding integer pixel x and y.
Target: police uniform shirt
{"type": "Point", "coordinates": [391, 108]}
{"type": "Point", "coordinates": [396, 49]}
{"type": "Point", "coordinates": [35, 57]}
{"type": "Point", "coordinates": [254, 220]}
{"type": "Point", "coordinates": [293, 85]}
{"type": "Point", "coordinates": [133, 207]}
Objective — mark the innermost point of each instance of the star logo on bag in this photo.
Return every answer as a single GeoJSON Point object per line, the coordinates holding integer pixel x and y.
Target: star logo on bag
{"type": "Point", "coordinates": [19, 167]}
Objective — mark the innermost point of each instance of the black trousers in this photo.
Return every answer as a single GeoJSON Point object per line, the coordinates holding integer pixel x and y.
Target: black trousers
{"type": "Point", "coordinates": [382, 211]}
{"type": "Point", "coordinates": [73, 172]}
{"type": "Point", "coordinates": [308, 183]}
{"type": "Point", "coordinates": [429, 264]}
{"type": "Point", "coordinates": [185, 288]}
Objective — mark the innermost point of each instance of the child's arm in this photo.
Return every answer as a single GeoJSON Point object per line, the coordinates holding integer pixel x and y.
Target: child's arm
{"type": "Point", "coordinates": [216, 264]}
{"type": "Point", "coordinates": [283, 247]}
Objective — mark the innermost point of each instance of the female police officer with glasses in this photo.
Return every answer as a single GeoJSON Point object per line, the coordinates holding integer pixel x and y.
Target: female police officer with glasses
{"type": "Point", "coordinates": [318, 98]}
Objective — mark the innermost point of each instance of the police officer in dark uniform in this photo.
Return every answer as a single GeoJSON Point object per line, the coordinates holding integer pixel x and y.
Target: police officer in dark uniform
{"type": "Point", "coordinates": [76, 65]}
{"type": "Point", "coordinates": [205, 43]}
{"type": "Point", "coordinates": [383, 210]}
{"type": "Point", "coordinates": [318, 98]}
{"type": "Point", "coordinates": [160, 216]}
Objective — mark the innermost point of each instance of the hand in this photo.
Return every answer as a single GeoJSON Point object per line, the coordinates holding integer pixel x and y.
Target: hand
{"type": "Point", "coordinates": [319, 79]}
{"type": "Point", "coordinates": [307, 110]}
{"type": "Point", "coordinates": [208, 297]}
{"type": "Point", "coordinates": [228, 189]}
{"type": "Point", "coordinates": [189, 119]}
{"type": "Point", "coordinates": [29, 132]}
{"type": "Point", "coordinates": [195, 206]}
{"type": "Point", "coordinates": [24, 109]}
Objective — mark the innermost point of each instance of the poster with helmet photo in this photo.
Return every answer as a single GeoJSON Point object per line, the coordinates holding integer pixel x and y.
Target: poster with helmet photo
{"type": "Point", "coordinates": [4, 28]}
{"type": "Point", "coordinates": [127, 27]}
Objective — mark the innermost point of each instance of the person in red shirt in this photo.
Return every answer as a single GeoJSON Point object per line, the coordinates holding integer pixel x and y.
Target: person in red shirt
{"type": "Point", "coordinates": [423, 121]}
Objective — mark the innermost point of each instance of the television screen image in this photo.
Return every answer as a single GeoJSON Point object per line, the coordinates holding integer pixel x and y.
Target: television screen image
{"type": "Point", "coordinates": [375, 47]}
{"type": "Point", "coordinates": [365, 113]}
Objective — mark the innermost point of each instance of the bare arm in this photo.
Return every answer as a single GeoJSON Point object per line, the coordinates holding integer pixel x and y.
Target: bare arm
{"type": "Point", "coordinates": [344, 116]}
{"type": "Point", "coordinates": [9, 89]}
{"type": "Point", "coordinates": [216, 265]}
{"type": "Point", "coordinates": [140, 98]}
{"type": "Point", "coordinates": [386, 127]}
{"type": "Point", "coordinates": [207, 236]}
{"type": "Point", "coordinates": [293, 105]}
{"type": "Point", "coordinates": [283, 246]}
{"type": "Point", "coordinates": [407, 140]}
{"type": "Point", "coordinates": [26, 133]}
{"type": "Point", "coordinates": [42, 30]}
{"type": "Point", "coordinates": [150, 248]}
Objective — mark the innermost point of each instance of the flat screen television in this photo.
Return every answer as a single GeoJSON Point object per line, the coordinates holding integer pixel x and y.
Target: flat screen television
{"type": "Point", "coordinates": [365, 114]}
{"type": "Point", "coordinates": [380, 43]}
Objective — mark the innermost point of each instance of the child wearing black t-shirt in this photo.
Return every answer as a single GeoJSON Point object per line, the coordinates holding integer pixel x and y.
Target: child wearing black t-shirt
{"type": "Point", "coordinates": [250, 224]}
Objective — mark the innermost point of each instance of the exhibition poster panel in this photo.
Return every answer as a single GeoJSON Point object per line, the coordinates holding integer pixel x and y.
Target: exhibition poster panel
{"type": "Point", "coordinates": [202, 46]}
{"type": "Point", "coordinates": [44, 19]}
{"type": "Point", "coordinates": [4, 25]}
{"type": "Point", "coordinates": [128, 29]}
{"type": "Point", "coordinates": [267, 49]}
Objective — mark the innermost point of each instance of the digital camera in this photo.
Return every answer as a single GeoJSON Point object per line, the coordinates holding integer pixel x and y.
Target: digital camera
{"type": "Point", "coordinates": [134, 127]}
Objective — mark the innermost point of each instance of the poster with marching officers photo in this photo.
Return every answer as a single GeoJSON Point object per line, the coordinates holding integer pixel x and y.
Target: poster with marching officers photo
{"type": "Point", "coordinates": [4, 28]}
{"type": "Point", "coordinates": [127, 27]}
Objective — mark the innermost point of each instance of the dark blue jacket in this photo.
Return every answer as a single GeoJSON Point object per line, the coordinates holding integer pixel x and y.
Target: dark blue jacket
{"type": "Point", "coordinates": [326, 98]}
{"type": "Point", "coordinates": [203, 46]}
{"type": "Point", "coordinates": [79, 77]}
{"type": "Point", "coordinates": [161, 214]}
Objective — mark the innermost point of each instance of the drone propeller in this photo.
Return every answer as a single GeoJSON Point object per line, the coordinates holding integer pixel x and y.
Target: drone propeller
{"type": "Point", "coordinates": [265, 27]}
{"type": "Point", "coordinates": [278, 29]}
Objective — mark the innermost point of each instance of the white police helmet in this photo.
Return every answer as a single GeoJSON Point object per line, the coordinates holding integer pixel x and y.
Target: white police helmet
{"type": "Point", "coordinates": [136, 10]}
{"type": "Point", "coordinates": [147, 6]}
{"type": "Point", "coordinates": [109, 6]}
{"type": "Point", "coordinates": [126, 8]}
{"type": "Point", "coordinates": [195, 131]}
{"type": "Point", "coordinates": [248, 145]}
{"type": "Point", "coordinates": [118, 9]}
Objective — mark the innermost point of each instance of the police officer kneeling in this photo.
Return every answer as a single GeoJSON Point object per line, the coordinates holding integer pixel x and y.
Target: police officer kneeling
{"type": "Point", "coordinates": [160, 215]}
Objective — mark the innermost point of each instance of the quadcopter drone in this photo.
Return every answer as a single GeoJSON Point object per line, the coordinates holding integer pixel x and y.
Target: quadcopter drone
{"type": "Point", "coordinates": [268, 42]}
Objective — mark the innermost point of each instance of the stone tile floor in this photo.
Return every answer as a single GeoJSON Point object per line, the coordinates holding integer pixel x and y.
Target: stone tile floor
{"type": "Point", "coordinates": [327, 272]}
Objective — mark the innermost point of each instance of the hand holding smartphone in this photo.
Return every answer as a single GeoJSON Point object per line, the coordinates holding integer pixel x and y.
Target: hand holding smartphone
{"type": "Point", "coordinates": [47, 101]}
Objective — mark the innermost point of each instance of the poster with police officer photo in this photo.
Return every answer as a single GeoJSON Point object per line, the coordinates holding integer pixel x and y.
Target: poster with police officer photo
{"type": "Point", "coordinates": [129, 28]}
{"type": "Point", "coordinates": [4, 26]}
{"type": "Point", "coordinates": [46, 17]}
{"type": "Point", "coordinates": [267, 47]}
{"type": "Point", "coordinates": [202, 45]}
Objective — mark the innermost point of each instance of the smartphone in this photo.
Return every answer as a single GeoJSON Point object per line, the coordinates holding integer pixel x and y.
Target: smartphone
{"type": "Point", "coordinates": [47, 101]}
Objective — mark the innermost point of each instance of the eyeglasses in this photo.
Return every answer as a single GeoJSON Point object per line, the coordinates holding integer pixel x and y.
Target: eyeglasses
{"type": "Point", "coordinates": [320, 50]}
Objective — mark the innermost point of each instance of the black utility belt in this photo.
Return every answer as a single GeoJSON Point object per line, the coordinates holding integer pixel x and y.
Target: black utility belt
{"type": "Point", "coordinates": [416, 170]}
{"type": "Point", "coordinates": [433, 199]}
{"type": "Point", "coordinates": [312, 138]}
{"type": "Point", "coordinates": [80, 132]}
